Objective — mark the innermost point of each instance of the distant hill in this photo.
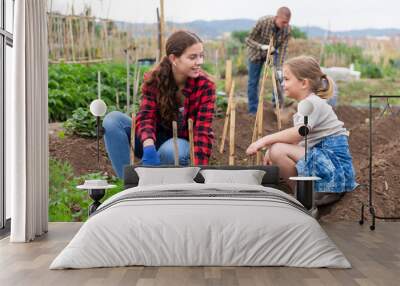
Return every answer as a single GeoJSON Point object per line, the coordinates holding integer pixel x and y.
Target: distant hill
{"type": "Point", "coordinates": [217, 28]}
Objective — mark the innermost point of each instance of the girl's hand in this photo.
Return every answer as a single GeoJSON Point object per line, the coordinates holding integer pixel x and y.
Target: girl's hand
{"type": "Point", "coordinates": [267, 159]}
{"type": "Point", "coordinates": [253, 148]}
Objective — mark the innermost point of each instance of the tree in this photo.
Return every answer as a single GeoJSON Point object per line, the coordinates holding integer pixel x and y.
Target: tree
{"type": "Point", "coordinates": [297, 33]}
{"type": "Point", "coordinates": [240, 35]}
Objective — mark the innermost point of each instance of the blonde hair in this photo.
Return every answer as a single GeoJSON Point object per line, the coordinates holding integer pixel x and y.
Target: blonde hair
{"type": "Point", "coordinates": [305, 67]}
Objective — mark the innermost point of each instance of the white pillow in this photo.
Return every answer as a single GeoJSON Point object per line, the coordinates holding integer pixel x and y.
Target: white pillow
{"type": "Point", "coordinates": [164, 176]}
{"type": "Point", "coordinates": [248, 177]}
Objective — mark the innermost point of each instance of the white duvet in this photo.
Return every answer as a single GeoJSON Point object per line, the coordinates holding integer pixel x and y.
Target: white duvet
{"type": "Point", "coordinates": [205, 230]}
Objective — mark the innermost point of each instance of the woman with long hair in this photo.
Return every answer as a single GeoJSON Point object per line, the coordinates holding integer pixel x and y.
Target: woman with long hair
{"type": "Point", "coordinates": [175, 90]}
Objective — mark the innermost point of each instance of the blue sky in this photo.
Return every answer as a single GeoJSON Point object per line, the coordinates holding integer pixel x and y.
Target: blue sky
{"type": "Point", "coordinates": [338, 15]}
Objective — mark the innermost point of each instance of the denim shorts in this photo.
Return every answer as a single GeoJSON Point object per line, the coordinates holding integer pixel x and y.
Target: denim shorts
{"type": "Point", "coordinates": [330, 160]}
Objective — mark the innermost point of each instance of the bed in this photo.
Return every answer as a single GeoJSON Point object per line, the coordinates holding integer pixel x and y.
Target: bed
{"type": "Point", "coordinates": [201, 223]}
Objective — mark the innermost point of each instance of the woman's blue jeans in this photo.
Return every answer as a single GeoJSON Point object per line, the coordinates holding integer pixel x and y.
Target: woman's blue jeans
{"type": "Point", "coordinates": [117, 137]}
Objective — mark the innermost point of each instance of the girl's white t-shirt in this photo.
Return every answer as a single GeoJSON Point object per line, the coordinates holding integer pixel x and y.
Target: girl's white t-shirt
{"type": "Point", "coordinates": [322, 121]}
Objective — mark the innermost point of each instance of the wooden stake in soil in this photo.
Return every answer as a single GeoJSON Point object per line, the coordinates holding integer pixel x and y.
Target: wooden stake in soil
{"type": "Point", "coordinates": [117, 99]}
{"type": "Point", "coordinates": [87, 39]}
{"type": "Point", "coordinates": [136, 78]}
{"type": "Point", "coordinates": [232, 134]}
{"type": "Point", "coordinates": [162, 28]}
{"type": "Point", "coordinates": [175, 136]}
{"type": "Point", "coordinates": [71, 35]}
{"type": "Point", "coordinates": [132, 153]}
{"type": "Point", "coordinates": [191, 142]}
{"type": "Point", "coordinates": [258, 124]}
{"type": "Point", "coordinates": [260, 107]}
{"type": "Point", "coordinates": [228, 76]}
{"type": "Point", "coordinates": [227, 116]}
{"type": "Point", "coordinates": [127, 80]}
{"type": "Point", "coordinates": [98, 84]}
{"type": "Point", "coordinates": [216, 64]}
{"type": "Point", "coordinates": [277, 107]}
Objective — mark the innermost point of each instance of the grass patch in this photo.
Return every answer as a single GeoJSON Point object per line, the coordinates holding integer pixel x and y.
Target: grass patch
{"type": "Point", "coordinates": [66, 202]}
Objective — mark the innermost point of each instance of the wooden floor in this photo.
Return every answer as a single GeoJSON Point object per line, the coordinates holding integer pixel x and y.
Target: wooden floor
{"type": "Point", "coordinates": [374, 255]}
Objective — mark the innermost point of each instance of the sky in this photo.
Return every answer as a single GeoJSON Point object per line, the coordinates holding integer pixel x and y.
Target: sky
{"type": "Point", "coordinates": [336, 15]}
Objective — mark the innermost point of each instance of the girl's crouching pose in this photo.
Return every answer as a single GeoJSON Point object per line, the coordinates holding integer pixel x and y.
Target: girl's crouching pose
{"type": "Point", "coordinates": [328, 156]}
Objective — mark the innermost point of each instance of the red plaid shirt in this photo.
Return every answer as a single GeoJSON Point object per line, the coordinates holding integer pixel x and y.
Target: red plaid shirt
{"type": "Point", "coordinates": [198, 105]}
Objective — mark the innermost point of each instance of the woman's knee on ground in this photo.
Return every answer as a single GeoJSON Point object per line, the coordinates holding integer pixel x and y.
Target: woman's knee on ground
{"type": "Point", "coordinates": [167, 152]}
{"type": "Point", "coordinates": [112, 120]}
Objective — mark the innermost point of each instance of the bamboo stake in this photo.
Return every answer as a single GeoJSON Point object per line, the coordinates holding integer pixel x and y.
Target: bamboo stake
{"type": "Point", "coordinates": [260, 129]}
{"type": "Point", "coordinates": [78, 39]}
{"type": "Point", "coordinates": [117, 100]}
{"type": "Point", "coordinates": [132, 153]}
{"type": "Point", "coordinates": [259, 121]}
{"type": "Point", "coordinates": [98, 84]}
{"type": "Point", "coordinates": [71, 35]}
{"type": "Point", "coordinates": [260, 106]}
{"type": "Point", "coordinates": [50, 30]}
{"type": "Point", "coordinates": [260, 102]}
{"type": "Point", "coordinates": [228, 76]}
{"type": "Point", "coordinates": [93, 35]}
{"type": "Point", "coordinates": [277, 107]}
{"type": "Point", "coordinates": [158, 57]}
{"type": "Point", "coordinates": [175, 139]}
{"type": "Point", "coordinates": [65, 49]}
{"type": "Point", "coordinates": [136, 78]}
{"type": "Point", "coordinates": [227, 117]}
{"type": "Point", "coordinates": [232, 134]}
{"type": "Point", "coordinates": [216, 64]}
{"type": "Point", "coordinates": [127, 80]}
{"type": "Point", "coordinates": [162, 28]}
{"type": "Point", "coordinates": [191, 142]}
{"type": "Point", "coordinates": [106, 44]}
{"type": "Point", "coordinates": [87, 40]}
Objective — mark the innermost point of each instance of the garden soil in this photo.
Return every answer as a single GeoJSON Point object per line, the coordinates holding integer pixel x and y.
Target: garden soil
{"type": "Point", "coordinates": [81, 153]}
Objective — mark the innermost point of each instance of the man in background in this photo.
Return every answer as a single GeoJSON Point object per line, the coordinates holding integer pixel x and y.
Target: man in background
{"type": "Point", "coordinates": [267, 28]}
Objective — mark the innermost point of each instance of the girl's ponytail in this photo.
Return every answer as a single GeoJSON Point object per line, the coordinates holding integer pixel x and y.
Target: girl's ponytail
{"type": "Point", "coordinates": [325, 90]}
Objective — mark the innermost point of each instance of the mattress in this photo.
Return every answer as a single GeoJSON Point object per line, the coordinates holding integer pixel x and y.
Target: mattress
{"type": "Point", "coordinates": [201, 225]}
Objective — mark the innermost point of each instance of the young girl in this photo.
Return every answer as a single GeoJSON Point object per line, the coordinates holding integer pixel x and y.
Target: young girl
{"type": "Point", "coordinates": [328, 156]}
{"type": "Point", "coordinates": [176, 89]}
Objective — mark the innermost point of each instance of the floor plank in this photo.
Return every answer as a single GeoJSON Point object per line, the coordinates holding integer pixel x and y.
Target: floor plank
{"type": "Point", "coordinates": [374, 255]}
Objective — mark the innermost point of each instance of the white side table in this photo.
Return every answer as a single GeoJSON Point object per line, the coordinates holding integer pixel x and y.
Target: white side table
{"type": "Point", "coordinates": [96, 190]}
{"type": "Point", "coordinates": [305, 190]}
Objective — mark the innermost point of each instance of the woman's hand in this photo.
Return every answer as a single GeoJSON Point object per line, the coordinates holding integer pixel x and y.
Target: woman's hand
{"type": "Point", "coordinates": [150, 156]}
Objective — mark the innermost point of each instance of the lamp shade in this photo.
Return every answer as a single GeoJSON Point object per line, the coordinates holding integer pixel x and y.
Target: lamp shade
{"type": "Point", "coordinates": [305, 107]}
{"type": "Point", "coordinates": [98, 107]}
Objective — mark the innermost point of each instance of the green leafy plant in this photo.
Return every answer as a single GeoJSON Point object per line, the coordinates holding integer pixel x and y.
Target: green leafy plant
{"type": "Point", "coordinates": [73, 85]}
{"type": "Point", "coordinates": [66, 202]}
{"type": "Point", "coordinates": [81, 123]}
{"type": "Point", "coordinates": [221, 105]}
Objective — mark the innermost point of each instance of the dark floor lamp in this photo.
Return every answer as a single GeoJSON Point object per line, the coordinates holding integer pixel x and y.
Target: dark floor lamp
{"type": "Point", "coordinates": [305, 185]}
{"type": "Point", "coordinates": [96, 188]}
{"type": "Point", "coordinates": [98, 108]}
